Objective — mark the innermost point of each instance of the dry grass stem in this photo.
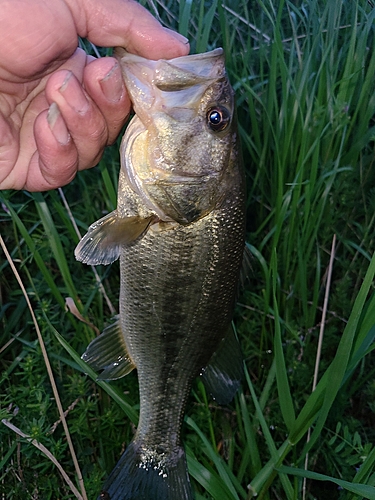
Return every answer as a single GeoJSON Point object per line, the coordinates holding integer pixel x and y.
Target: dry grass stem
{"type": "Point", "coordinates": [252, 26]}
{"type": "Point", "coordinates": [320, 344]}
{"type": "Point", "coordinates": [70, 408]}
{"type": "Point", "coordinates": [72, 308]}
{"type": "Point", "coordinates": [47, 453]}
{"type": "Point", "coordinates": [10, 341]}
{"type": "Point", "coordinates": [49, 369]}
{"type": "Point", "coordinates": [97, 277]}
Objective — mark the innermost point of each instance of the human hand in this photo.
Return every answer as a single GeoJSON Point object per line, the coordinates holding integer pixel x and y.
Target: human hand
{"type": "Point", "coordinates": [59, 107]}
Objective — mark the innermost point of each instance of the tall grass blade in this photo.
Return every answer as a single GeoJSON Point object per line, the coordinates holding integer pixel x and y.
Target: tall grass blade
{"type": "Point", "coordinates": [205, 27]}
{"type": "Point", "coordinates": [108, 184]}
{"type": "Point", "coordinates": [38, 258]}
{"type": "Point", "coordinates": [184, 16]}
{"type": "Point", "coordinates": [55, 243]}
{"type": "Point", "coordinates": [366, 468]}
{"type": "Point", "coordinates": [225, 474]}
{"type": "Point", "coordinates": [255, 460]}
{"type": "Point", "coordinates": [277, 455]}
{"type": "Point", "coordinates": [363, 490]}
{"type": "Point", "coordinates": [338, 367]}
{"type": "Point", "coordinates": [210, 482]}
{"type": "Point", "coordinates": [285, 397]}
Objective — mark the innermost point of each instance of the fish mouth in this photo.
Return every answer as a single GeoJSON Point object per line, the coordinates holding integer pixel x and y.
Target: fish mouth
{"type": "Point", "coordinates": [157, 85]}
{"type": "Point", "coordinates": [173, 74]}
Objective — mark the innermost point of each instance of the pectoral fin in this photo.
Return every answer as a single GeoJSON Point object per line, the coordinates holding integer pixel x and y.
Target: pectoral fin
{"type": "Point", "coordinates": [108, 352]}
{"type": "Point", "coordinates": [222, 376]}
{"type": "Point", "coordinates": [103, 240]}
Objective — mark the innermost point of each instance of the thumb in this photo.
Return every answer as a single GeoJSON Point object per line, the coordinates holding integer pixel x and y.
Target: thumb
{"type": "Point", "coordinates": [127, 24]}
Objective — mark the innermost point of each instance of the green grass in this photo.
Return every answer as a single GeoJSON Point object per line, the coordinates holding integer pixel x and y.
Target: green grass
{"type": "Point", "coordinates": [304, 75]}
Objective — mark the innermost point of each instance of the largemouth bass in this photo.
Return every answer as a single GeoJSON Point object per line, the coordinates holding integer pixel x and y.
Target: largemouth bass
{"type": "Point", "coordinates": [179, 232]}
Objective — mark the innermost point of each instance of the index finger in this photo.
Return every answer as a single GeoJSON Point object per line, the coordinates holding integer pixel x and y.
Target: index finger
{"type": "Point", "coordinates": [127, 24]}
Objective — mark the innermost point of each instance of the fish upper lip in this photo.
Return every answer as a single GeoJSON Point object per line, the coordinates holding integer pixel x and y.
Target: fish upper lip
{"type": "Point", "coordinates": [121, 53]}
{"type": "Point", "coordinates": [145, 78]}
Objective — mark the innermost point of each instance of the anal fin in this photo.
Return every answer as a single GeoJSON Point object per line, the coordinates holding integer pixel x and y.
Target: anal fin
{"type": "Point", "coordinates": [103, 240]}
{"type": "Point", "coordinates": [223, 375]}
{"type": "Point", "coordinates": [108, 353]}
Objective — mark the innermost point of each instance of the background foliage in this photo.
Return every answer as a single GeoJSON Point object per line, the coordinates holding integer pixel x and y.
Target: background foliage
{"type": "Point", "coordinates": [304, 75]}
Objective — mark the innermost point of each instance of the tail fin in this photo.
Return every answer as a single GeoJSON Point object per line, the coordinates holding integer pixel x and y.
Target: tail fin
{"type": "Point", "coordinates": [142, 474]}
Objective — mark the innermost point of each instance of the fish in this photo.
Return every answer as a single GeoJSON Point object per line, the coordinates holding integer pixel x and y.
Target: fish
{"type": "Point", "coordinates": [179, 232]}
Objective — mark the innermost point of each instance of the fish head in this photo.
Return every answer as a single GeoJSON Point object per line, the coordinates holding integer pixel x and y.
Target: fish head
{"type": "Point", "coordinates": [176, 151]}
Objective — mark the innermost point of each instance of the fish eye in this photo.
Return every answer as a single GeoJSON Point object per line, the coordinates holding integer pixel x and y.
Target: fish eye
{"type": "Point", "coordinates": [218, 118]}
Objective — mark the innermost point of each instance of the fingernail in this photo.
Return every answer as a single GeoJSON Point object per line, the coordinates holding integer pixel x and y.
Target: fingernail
{"type": "Point", "coordinates": [72, 92]}
{"type": "Point", "coordinates": [112, 84]}
{"type": "Point", "coordinates": [57, 125]}
{"type": "Point", "coordinates": [177, 36]}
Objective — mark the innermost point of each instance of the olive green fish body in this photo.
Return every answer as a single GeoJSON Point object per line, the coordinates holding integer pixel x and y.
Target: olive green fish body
{"type": "Point", "coordinates": [179, 232]}
{"type": "Point", "coordinates": [177, 295]}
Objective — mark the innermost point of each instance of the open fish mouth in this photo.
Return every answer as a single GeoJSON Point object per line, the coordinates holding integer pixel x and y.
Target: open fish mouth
{"type": "Point", "coordinates": [189, 73]}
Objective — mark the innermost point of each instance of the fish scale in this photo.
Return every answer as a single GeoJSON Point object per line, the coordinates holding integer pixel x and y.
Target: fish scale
{"type": "Point", "coordinates": [188, 288]}
{"type": "Point", "coordinates": [179, 232]}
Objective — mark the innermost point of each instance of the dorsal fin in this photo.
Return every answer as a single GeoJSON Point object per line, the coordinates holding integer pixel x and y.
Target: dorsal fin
{"type": "Point", "coordinates": [247, 268]}
{"type": "Point", "coordinates": [223, 374]}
